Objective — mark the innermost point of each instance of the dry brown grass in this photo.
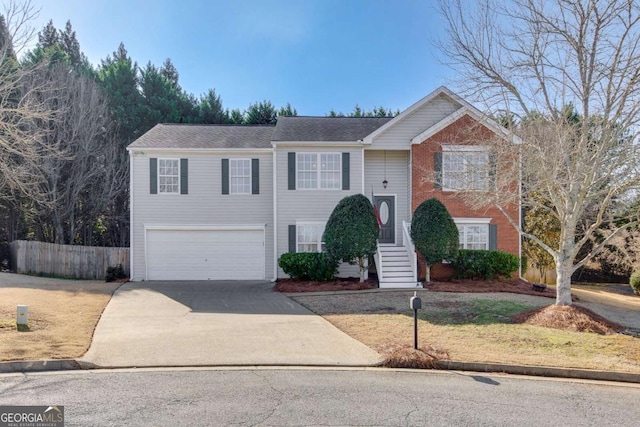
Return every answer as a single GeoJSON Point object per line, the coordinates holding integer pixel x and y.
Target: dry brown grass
{"type": "Point", "coordinates": [62, 316]}
{"type": "Point", "coordinates": [382, 319]}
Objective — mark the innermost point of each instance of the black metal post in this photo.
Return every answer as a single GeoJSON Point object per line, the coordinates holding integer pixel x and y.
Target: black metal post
{"type": "Point", "coordinates": [415, 329]}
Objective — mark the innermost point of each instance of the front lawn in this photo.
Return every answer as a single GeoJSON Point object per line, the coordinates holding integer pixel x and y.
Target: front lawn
{"type": "Point", "coordinates": [472, 327]}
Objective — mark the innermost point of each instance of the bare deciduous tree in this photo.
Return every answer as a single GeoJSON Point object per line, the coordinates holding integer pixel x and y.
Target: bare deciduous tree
{"type": "Point", "coordinates": [21, 107]}
{"type": "Point", "coordinates": [78, 185]}
{"type": "Point", "coordinates": [569, 73]}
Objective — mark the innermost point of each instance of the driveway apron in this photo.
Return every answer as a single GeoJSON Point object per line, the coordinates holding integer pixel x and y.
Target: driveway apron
{"type": "Point", "coordinates": [216, 323]}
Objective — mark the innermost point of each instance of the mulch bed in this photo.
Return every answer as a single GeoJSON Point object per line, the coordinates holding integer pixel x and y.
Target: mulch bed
{"type": "Point", "coordinates": [293, 286]}
{"type": "Point", "coordinates": [516, 286]}
{"type": "Point", "coordinates": [463, 286]}
{"type": "Point", "coordinates": [573, 318]}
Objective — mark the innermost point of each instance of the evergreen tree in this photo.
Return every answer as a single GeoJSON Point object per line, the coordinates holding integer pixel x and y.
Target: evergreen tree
{"type": "Point", "coordinates": [236, 117]}
{"type": "Point", "coordinates": [287, 110]}
{"type": "Point", "coordinates": [48, 37]}
{"type": "Point", "coordinates": [261, 113]}
{"type": "Point", "coordinates": [71, 47]}
{"type": "Point", "coordinates": [169, 71]}
{"type": "Point", "coordinates": [434, 233]}
{"type": "Point", "coordinates": [351, 231]}
{"type": "Point", "coordinates": [210, 109]}
{"type": "Point", "coordinates": [118, 76]}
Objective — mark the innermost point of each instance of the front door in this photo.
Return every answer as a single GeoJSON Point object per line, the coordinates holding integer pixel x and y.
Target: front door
{"type": "Point", "coordinates": [386, 206]}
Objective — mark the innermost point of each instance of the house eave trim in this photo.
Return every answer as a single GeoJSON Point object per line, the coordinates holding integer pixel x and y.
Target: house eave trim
{"type": "Point", "coordinates": [442, 90]}
{"type": "Point", "coordinates": [474, 114]}
{"type": "Point", "coordinates": [142, 150]}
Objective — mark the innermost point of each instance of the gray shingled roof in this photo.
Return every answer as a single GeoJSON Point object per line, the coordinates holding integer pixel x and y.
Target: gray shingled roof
{"type": "Point", "coordinates": [302, 128]}
{"type": "Point", "coordinates": [205, 136]}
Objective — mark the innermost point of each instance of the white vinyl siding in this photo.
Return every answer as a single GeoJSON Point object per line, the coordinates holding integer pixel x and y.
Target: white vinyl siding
{"type": "Point", "coordinates": [240, 176]}
{"type": "Point", "coordinates": [168, 176]}
{"type": "Point", "coordinates": [400, 135]}
{"type": "Point", "coordinates": [325, 174]}
{"type": "Point", "coordinates": [312, 206]}
{"type": "Point", "coordinates": [392, 165]}
{"type": "Point", "coordinates": [465, 169]}
{"type": "Point", "coordinates": [205, 205]}
{"type": "Point", "coordinates": [309, 236]}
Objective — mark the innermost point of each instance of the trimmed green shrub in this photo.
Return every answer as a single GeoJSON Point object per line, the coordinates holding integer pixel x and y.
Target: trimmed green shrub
{"type": "Point", "coordinates": [351, 231]}
{"type": "Point", "coordinates": [115, 273]}
{"type": "Point", "coordinates": [434, 233]}
{"type": "Point", "coordinates": [484, 265]}
{"type": "Point", "coordinates": [634, 282]}
{"type": "Point", "coordinates": [314, 266]}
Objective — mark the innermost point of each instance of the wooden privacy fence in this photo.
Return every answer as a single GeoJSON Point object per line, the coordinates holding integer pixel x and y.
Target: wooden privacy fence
{"type": "Point", "coordinates": [81, 262]}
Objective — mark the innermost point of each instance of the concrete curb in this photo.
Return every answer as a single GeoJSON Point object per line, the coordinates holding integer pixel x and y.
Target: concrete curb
{"type": "Point", "coordinates": [39, 365]}
{"type": "Point", "coordinates": [447, 365]}
{"type": "Point", "coordinates": [540, 371]}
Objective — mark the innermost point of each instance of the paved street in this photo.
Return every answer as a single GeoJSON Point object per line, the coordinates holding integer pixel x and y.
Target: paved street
{"type": "Point", "coordinates": [372, 397]}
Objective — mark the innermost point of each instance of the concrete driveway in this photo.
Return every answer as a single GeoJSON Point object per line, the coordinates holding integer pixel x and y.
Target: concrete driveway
{"type": "Point", "coordinates": [216, 323]}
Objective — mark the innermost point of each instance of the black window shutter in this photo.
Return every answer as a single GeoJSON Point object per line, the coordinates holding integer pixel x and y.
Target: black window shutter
{"type": "Point", "coordinates": [292, 170]}
{"type": "Point", "coordinates": [255, 176]}
{"type": "Point", "coordinates": [292, 238]}
{"type": "Point", "coordinates": [184, 176]}
{"type": "Point", "coordinates": [493, 237]}
{"type": "Point", "coordinates": [437, 170]}
{"type": "Point", "coordinates": [153, 175]}
{"type": "Point", "coordinates": [345, 171]}
{"type": "Point", "coordinates": [225, 176]}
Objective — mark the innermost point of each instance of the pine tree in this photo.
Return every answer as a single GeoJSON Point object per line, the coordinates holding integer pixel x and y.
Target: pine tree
{"type": "Point", "coordinates": [210, 109]}
{"type": "Point", "coordinates": [261, 113]}
{"type": "Point", "coordinates": [70, 46]}
{"type": "Point", "coordinates": [48, 37]}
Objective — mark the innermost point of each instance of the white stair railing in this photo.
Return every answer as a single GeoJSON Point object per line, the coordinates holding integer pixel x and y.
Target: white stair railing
{"type": "Point", "coordinates": [410, 248]}
{"type": "Point", "coordinates": [378, 259]}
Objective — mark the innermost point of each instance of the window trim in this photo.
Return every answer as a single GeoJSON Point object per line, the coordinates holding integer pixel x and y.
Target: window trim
{"type": "Point", "coordinates": [161, 159]}
{"type": "Point", "coordinates": [474, 222]}
{"type": "Point", "coordinates": [231, 192]}
{"type": "Point", "coordinates": [464, 149]}
{"type": "Point", "coordinates": [319, 171]}
{"type": "Point", "coordinates": [320, 232]}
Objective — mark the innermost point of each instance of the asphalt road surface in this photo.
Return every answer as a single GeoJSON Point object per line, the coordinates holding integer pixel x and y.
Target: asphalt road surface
{"type": "Point", "coordinates": [316, 397]}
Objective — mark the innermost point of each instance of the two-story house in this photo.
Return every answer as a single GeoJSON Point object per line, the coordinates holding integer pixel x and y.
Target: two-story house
{"type": "Point", "coordinates": [223, 202]}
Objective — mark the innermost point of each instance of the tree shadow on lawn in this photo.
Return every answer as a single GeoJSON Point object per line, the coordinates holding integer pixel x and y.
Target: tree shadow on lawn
{"type": "Point", "coordinates": [474, 312]}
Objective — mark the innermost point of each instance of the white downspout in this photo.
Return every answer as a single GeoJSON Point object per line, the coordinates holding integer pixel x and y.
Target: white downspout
{"type": "Point", "coordinates": [275, 213]}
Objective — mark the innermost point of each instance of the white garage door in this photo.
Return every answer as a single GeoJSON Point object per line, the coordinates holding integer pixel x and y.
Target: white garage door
{"type": "Point", "coordinates": [205, 254]}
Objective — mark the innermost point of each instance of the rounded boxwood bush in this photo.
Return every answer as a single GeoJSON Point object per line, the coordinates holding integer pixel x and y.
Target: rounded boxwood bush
{"type": "Point", "coordinates": [314, 266]}
{"type": "Point", "coordinates": [634, 282]}
{"type": "Point", "coordinates": [484, 265]}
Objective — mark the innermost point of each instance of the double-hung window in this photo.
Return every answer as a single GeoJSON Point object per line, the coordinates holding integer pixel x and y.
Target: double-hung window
{"type": "Point", "coordinates": [309, 237]}
{"type": "Point", "coordinates": [240, 176]}
{"type": "Point", "coordinates": [465, 168]}
{"type": "Point", "coordinates": [473, 233]}
{"type": "Point", "coordinates": [169, 176]}
{"type": "Point", "coordinates": [319, 171]}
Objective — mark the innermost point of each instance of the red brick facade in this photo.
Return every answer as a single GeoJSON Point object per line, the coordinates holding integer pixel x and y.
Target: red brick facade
{"type": "Point", "coordinates": [464, 131]}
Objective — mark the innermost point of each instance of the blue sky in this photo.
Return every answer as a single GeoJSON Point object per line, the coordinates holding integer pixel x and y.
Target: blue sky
{"type": "Point", "coordinates": [315, 54]}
